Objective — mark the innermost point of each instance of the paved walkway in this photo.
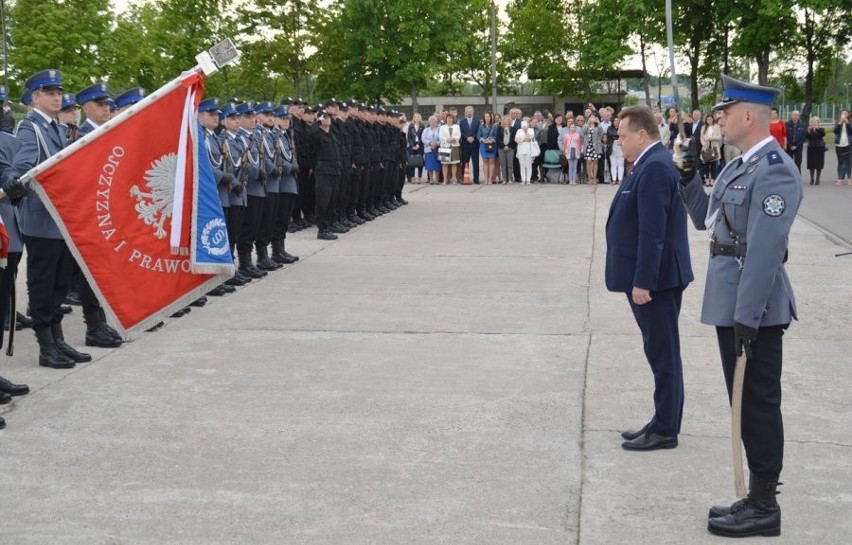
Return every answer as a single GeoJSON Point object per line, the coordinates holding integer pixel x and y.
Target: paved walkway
{"type": "Point", "coordinates": [452, 373]}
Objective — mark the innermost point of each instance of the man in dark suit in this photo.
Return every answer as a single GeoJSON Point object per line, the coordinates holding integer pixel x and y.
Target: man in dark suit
{"type": "Point", "coordinates": [648, 260]}
{"type": "Point", "coordinates": [470, 142]}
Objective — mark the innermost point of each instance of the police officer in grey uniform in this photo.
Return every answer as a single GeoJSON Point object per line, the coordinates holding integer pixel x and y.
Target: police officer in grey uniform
{"type": "Point", "coordinates": [208, 117]}
{"type": "Point", "coordinates": [9, 146]}
{"type": "Point", "coordinates": [49, 262]}
{"type": "Point", "coordinates": [748, 296]}
{"type": "Point", "coordinates": [234, 156]}
{"type": "Point", "coordinates": [95, 103]}
{"type": "Point", "coordinates": [287, 165]}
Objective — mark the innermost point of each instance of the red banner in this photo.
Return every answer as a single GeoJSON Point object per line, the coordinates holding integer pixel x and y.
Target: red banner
{"type": "Point", "coordinates": [113, 197]}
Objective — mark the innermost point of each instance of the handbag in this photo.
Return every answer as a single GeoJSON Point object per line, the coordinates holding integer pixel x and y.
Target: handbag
{"type": "Point", "coordinates": [490, 147]}
{"type": "Point", "coordinates": [709, 155]}
{"type": "Point", "coordinates": [445, 154]}
{"type": "Point", "coordinates": [535, 150]}
{"type": "Point", "coordinates": [415, 161]}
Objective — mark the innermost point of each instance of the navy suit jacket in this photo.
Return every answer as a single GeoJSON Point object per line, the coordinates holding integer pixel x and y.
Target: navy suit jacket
{"type": "Point", "coordinates": [469, 129]}
{"type": "Point", "coordinates": [646, 232]}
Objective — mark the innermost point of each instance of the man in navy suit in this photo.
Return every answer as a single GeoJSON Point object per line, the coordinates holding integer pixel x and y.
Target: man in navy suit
{"type": "Point", "coordinates": [647, 259]}
{"type": "Point", "coordinates": [470, 142]}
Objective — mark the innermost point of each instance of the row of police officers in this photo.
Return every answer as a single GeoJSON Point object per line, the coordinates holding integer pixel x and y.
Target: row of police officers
{"type": "Point", "coordinates": [279, 168]}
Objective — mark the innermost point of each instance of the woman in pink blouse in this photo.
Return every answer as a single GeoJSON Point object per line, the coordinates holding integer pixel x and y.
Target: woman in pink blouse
{"type": "Point", "coordinates": [572, 147]}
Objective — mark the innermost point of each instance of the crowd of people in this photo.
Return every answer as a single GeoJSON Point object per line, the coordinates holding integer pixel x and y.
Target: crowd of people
{"type": "Point", "coordinates": [513, 148]}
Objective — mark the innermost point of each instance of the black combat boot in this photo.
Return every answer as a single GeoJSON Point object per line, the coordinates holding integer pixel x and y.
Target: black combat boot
{"type": "Point", "coordinates": [263, 261]}
{"type": "Point", "coordinates": [96, 335]}
{"type": "Point", "coordinates": [107, 328]}
{"type": "Point", "coordinates": [246, 267]}
{"type": "Point", "coordinates": [48, 355]}
{"type": "Point", "coordinates": [65, 348]}
{"type": "Point", "coordinates": [758, 514]}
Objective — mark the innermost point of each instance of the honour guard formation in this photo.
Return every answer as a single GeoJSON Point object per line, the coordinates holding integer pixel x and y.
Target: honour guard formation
{"type": "Point", "coordinates": [279, 168]}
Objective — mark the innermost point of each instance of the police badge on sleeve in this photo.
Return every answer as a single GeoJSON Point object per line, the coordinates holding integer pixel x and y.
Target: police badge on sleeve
{"type": "Point", "coordinates": [774, 205]}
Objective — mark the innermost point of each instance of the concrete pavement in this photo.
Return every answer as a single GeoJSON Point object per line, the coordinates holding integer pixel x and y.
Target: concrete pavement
{"type": "Point", "coordinates": [454, 373]}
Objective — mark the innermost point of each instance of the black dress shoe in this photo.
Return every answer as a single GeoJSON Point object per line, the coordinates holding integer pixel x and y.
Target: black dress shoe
{"type": "Point", "coordinates": [5, 398]}
{"type": "Point", "coordinates": [288, 255]}
{"type": "Point", "coordinates": [97, 336]}
{"type": "Point", "coordinates": [288, 259]}
{"type": "Point", "coordinates": [228, 289]}
{"type": "Point", "coordinates": [13, 389]}
{"type": "Point", "coordinates": [155, 327]}
{"type": "Point", "coordinates": [2, 423]}
{"type": "Point", "coordinates": [22, 322]}
{"type": "Point", "coordinates": [200, 302]}
{"type": "Point", "coordinates": [633, 434]}
{"type": "Point", "coordinates": [403, 202]}
{"type": "Point", "coordinates": [650, 441]}
{"type": "Point", "coordinates": [326, 235]}
{"type": "Point", "coordinates": [235, 281]}
{"type": "Point", "coordinates": [73, 298]}
{"type": "Point", "coordinates": [216, 292]}
{"type": "Point", "coordinates": [182, 312]}
{"type": "Point", "coordinates": [65, 309]}
{"type": "Point", "coordinates": [758, 514]}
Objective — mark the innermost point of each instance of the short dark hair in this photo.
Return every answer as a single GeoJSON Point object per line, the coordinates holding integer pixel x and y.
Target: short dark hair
{"type": "Point", "coordinates": [640, 117]}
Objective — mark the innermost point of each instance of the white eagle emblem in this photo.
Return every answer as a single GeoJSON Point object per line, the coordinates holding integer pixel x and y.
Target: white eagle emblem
{"type": "Point", "coordinates": [155, 206]}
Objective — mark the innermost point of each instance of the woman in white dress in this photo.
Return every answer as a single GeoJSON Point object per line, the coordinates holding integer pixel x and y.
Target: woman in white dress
{"type": "Point", "coordinates": [450, 139]}
{"type": "Point", "coordinates": [524, 138]}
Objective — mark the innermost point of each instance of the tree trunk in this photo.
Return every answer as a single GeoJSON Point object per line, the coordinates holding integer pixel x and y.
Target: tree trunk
{"type": "Point", "coordinates": [762, 60]}
{"type": "Point", "coordinates": [647, 84]}
{"type": "Point", "coordinates": [810, 56]}
{"type": "Point", "coordinates": [693, 77]}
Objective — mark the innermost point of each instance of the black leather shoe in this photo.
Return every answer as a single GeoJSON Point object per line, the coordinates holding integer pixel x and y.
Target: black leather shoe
{"type": "Point", "coordinates": [758, 514]}
{"type": "Point", "coordinates": [235, 281]}
{"type": "Point", "coordinates": [200, 302]}
{"type": "Point", "coordinates": [2, 423]}
{"type": "Point", "coordinates": [402, 201]}
{"type": "Point", "coordinates": [338, 229]}
{"type": "Point", "coordinates": [65, 309]}
{"type": "Point", "coordinates": [326, 235]}
{"type": "Point", "coordinates": [98, 337]}
{"type": "Point", "coordinates": [73, 298]}
{"type": "Point", "coordinates": [22, 322]}
{"type": "Point", "coordinates": [633, 434]}
{"type": "Point", "coordinates": [288, 255]}
{"type": "Point", "coordinates": [218, 291]}
{"type": "Point", "coordinates": [288, 259]}
{"type": "Point", "coordinates": [182, 312]}
{"type": "Point", "coordinates": [13, 389]}
{"type": "Point", "coordinates": [257, 273]}
{"type": "Point", "coordinates": [5, 398]}
{"type": "Point", "coordinates": [155, 327]}
{"type": "Point", "coordinates": [722, 510]}
{"type": "Point", "coordinates": [294, 228]}
{"type": "Point", "coordinates": [357, 220]}
{"type": "Point", "coordinates": [49, 355]}
{"type": "Point", "coordinates": [650, 441]}
{"type": "Point", "coordinates": [228, 289]}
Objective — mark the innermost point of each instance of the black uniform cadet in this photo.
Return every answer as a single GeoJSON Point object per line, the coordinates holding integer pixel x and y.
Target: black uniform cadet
{"type": "Point", "coordinates": [748, 296]}
{"type": "Point", "coordinates": [328, 171]}
{"type": "Point", "coordinates": [305, 151]}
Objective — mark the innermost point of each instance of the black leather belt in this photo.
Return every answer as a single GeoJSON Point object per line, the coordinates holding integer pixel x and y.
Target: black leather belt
{"type": "Point", "coordinates": [732, 250]}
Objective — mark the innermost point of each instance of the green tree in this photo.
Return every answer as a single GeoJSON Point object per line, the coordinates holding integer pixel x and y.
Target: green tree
{"type": "Point", "coordinates": [67, 35]}
{"type": "Point", "coordinates": [763, 27]}
{"type": "Point", "coordinates": [383, 49]}
{"type": "Point", "coordinates": [276, 45]}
